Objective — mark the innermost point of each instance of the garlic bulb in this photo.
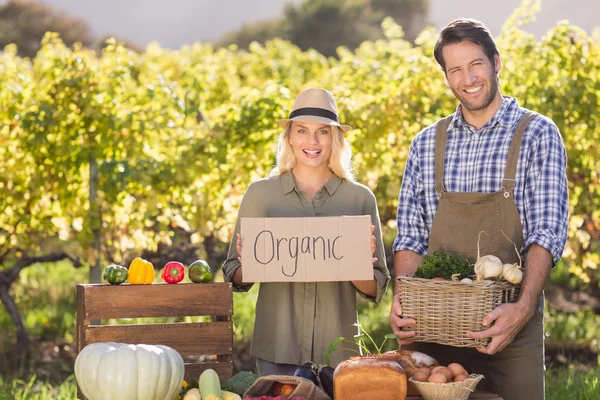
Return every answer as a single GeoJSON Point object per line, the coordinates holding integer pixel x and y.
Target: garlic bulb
{"type": "Point", "coordinates": [512, 273]}
{"type": "Point", "coordinates": [488, 267]}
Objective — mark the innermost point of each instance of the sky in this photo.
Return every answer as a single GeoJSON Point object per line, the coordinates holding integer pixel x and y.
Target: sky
{"type": "Point", "coordinates": [174, 23]}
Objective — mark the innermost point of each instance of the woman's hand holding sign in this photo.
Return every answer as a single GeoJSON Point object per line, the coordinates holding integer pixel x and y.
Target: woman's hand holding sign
{"type": "Point", "coordinates": [237, 275]}
{"type": "Point", "coordinates": [369, 287]}
{"type": "Point", "coordinates": [373, 246]}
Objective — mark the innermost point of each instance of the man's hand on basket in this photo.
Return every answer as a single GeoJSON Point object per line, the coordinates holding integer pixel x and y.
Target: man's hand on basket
{"type": "Point", "coordinates": [509, 320]}
{"type": "Point", "coordinates": [396, 322]}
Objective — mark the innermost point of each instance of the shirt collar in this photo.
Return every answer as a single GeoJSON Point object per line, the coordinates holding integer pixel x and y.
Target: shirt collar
{"type": "Point", "coordinates": [288, 184]}
{"type": "Point", "coordinates": [507, 115]}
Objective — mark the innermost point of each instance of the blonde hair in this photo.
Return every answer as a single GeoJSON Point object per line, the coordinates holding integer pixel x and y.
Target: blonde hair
{"type": "Point", "coordinates": [340, 161]}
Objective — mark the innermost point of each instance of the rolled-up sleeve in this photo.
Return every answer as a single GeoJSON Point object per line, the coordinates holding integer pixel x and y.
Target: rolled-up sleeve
{"type": "Point", "coordinates": [412, 228]}
{"type": "Point", "coordinates": [251, 206]}
{"type": "Point", "coordinates": [380, 270]}
{"type": "Point", "coordinates": [546, 196]}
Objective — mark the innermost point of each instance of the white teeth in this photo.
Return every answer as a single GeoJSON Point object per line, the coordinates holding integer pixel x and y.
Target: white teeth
{"type": "Point", "coordinates": [312, 152]}
{"type": "Point", "coordinates": [474, 90]}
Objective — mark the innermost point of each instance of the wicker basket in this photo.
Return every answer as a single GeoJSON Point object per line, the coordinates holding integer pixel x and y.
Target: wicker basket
{"type": "Point", "coordinates": [448, 391]}
{"type": "Point", "coordinates": [445, 310]}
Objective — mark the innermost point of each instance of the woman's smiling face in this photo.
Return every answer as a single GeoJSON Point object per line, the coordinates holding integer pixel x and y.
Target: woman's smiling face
{"type": "Point", "coordinates": [311, 143]}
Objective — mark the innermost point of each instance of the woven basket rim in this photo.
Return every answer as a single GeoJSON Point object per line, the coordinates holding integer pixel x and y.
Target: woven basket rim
{"type": "Point", "coordinates": [480, 285]}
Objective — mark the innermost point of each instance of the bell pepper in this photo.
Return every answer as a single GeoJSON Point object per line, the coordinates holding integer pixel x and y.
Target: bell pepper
{"type": "Point", "coordinates": [200, 272]}
{"type": "Point", "coordinates": [141, 272]}
{"type": "Point", "coordinates": [115, 274]}
{"type": "Point", "coordinates": [173, 272]}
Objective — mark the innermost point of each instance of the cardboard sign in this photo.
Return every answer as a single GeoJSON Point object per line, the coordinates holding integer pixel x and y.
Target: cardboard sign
{"type": "Point", "coordinates": [316, 249]}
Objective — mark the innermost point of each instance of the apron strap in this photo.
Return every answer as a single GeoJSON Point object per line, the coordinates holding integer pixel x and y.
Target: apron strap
{"type": "Point", "coordinates": [510, 172]}
{"type": "Point", "coordinates": [441, 136]}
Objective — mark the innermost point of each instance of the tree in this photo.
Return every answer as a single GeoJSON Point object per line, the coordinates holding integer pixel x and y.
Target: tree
{"type": "Point", "coordinates": [327, 24]}
{"type": "Point", "coordinates": [25, 22]}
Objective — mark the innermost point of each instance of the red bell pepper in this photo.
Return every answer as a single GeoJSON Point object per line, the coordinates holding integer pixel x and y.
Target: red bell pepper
{"type": "Point", "coordinates": [173, 272]}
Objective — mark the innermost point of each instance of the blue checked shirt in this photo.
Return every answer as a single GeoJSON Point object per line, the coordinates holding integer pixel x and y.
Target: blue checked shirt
{"type": "Point", "coordinates": [475, 162]}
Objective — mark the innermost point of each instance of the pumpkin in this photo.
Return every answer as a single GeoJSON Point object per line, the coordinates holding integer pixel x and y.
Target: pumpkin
{"type": "Point", "coordinates": [120, 371]}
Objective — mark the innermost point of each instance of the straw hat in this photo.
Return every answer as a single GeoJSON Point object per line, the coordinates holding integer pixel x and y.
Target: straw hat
{"type": "Point", "coordinates": [315, 105]}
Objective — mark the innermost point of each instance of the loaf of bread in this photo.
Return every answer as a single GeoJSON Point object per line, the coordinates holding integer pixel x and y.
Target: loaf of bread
{"type": "Point", "coordinates": [365, 378]}
{"type": "Point", "coordinates": [411, 361]}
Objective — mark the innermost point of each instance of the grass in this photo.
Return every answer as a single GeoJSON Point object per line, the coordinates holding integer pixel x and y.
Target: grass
{"type": "Point", "coordinates": [567, 384]}
{"type": "Point", "coordinates": [35, 389]}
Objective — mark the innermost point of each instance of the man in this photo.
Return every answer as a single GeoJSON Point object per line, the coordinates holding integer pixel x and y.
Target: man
{"type": "Point", "coordinates": [463, 176]}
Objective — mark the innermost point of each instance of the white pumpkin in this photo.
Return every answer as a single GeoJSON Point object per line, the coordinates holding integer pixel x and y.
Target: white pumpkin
{"type": "Point", "coordinates": [117, 371]}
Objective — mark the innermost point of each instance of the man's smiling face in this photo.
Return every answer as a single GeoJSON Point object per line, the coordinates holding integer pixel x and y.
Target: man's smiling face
{"type": "Point", "coordinates": [470, 74]}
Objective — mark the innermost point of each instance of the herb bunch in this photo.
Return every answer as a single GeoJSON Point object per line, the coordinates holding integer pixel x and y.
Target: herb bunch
{"type": "Point", "coordinates": [443, 265]}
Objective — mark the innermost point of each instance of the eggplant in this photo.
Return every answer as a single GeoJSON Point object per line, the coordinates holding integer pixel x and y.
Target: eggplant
{"type": "Point", "coordinates": [326, 377]}
{"type": "Point", "coordinates": [308, 370]}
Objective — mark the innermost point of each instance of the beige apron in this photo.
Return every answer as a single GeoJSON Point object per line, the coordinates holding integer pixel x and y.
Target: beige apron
{"type": "Point", "coordinates": [517, 372]}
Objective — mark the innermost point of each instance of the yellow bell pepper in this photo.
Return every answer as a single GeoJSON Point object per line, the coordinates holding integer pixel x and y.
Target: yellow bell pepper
{"type": "Point", "coordinates": [140, 272]}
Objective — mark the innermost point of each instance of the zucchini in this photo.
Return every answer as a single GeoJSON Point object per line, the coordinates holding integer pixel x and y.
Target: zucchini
{"type": "Point", "coordinates": [209, 385]}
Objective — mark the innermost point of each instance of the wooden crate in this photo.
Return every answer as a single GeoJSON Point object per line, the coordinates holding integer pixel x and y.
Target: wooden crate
{"type": "Point", "coordinates": [191, 339]}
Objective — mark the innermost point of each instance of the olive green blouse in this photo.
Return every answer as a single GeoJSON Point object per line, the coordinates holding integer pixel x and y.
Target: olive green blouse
{"type": "Point", "coordinates": [296, 322]}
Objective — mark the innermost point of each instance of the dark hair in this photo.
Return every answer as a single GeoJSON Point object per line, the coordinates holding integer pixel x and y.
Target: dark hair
{"type": "Point", "coordinates": [465, 29]}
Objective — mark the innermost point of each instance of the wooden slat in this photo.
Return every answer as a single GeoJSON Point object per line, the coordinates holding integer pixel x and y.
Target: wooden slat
{"type": "Point", "coordinates": [223, 369]}
{"type": "Point", "coordinates": [103, 301]}
{"type": "Point", "coordinates": [81, 323]}
{"type": "Point", "coordinates": [188, 339]}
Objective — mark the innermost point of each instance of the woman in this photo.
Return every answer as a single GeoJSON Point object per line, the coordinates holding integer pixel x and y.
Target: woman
{"type": "Point", "coordinates": [296, 322]}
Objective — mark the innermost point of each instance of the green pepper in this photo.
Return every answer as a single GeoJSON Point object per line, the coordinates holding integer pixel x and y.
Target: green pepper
{"type": "Point", "coordinates": [200, 272]}
{"type": "Point", "coordinates": [115, 274]}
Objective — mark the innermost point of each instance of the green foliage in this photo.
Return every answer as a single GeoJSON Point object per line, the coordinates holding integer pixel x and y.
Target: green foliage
{"type": "Point", "coordinates": [443, 265]}
{"type": "Point", "coordinates": [45, 295]}
{"type": "Point", "coordinates": [34, 389]}
{"type": "Point", "coordinates": [571, 384]}
{"type": "Point", "coordinates": [580, 328]}
{"type": "Point", "coordinates": [177, 136]}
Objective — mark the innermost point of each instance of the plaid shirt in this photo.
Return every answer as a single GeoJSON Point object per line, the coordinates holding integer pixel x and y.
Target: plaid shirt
{"type": "Point", "coordinates": [475, 162]}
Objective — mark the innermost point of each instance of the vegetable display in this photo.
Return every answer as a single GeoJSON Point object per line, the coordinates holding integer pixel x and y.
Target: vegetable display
{"type": "Point", "coordinates": [141, 272]}
{"type": "Point", "coordinates": [173, 272]}
{"type": "Point", "coordinates": [120, 371]}
{"type": "Point", "coordinates": [115, 274]}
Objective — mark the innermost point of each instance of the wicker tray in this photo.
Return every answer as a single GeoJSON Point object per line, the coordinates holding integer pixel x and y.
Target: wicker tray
{"type": "Point", "coordinates": [448, 391]}
{"type": "Point", "coordinates": [445, 310]}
